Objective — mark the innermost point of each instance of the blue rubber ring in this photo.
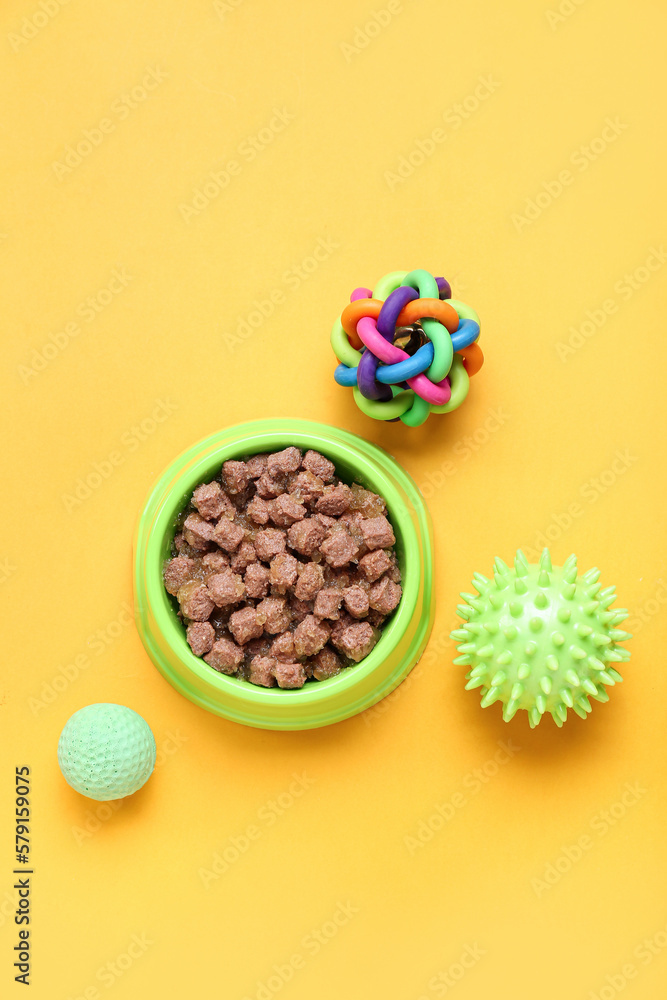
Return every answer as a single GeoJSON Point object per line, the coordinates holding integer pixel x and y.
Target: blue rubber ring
{"type": "Point", "coordinates": [466, 333]}
{"type": "Point", "coordinates": [345, 376]}
{"type": "Point", "coordinates": [418, 363]}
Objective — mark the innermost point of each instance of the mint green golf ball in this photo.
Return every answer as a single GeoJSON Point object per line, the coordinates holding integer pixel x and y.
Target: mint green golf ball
{"type": "Point", "coordinates": [106, 751]}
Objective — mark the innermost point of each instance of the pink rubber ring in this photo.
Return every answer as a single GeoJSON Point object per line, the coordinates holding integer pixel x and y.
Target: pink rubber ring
{"type": "Point", "coordinates": [437, 393]}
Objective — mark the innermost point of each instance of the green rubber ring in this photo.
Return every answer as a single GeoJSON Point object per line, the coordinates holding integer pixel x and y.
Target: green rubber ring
{"type": "Point", "coordinates": [316, 704]}
{"type": "Point", "coordinates": [388, 284]}
{"type": "Point", "coordinates": [464, 311]}
{"type": "Point", "coordinates": [384, 410]}
{"type": "Point", "coordinates": [424, 283]}
{"type": "Point", "coordinates": [417, 414]}
{"type": "Point", "coordinates": [443, 349]}
{"type": "Point", "coordinates": [342, 348]}
{"type": "Point", "coordinates": [460, 383]}
{"type": "Point", "coordinates": [427, 286]}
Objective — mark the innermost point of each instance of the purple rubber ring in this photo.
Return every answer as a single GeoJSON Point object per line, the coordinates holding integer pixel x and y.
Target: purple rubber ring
{"type": "Point", "coordinates": [386, 325]}
{"type": "Point", "coordinates": [391, 309]}
{"type": "Point", "coordinates": [444, 287]}
{"type": "Point", "coordinates": [366, 380]}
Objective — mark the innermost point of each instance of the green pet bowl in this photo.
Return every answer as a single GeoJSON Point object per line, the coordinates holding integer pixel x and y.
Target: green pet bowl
{"type": "Point", "coordinates": [317, 703]}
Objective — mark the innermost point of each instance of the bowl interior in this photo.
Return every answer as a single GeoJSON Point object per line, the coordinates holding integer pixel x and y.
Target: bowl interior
{"type": "Point", "coordinates": [351, 466]}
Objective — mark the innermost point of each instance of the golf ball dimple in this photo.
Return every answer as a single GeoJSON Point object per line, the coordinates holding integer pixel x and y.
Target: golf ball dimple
{"type": "Point", "coordinates": [106, 751]}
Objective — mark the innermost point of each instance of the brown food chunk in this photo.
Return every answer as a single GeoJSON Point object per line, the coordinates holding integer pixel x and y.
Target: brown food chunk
{"type": "Point", "coordinates": [307, 486]}
{"type": "Point", "coordinates": [305, 536]}
{"type": "Point", "coordinates": [328, 602]}
{"type": "Point", "coordinates": [282, 648]}
{"type": "Point", "coordinates": [200, 636]}
{"type": "Point", "coordinates": [184, 549]}
{"type": "Point", "coordinates": [326, 521]}
{"type": "Point", "coordinates": [311, 580]}
{"type": "Point", "coordinates": [225, 588]}
{"type": "Point", "coordinates": [194, 601]}
{"type": "Point", "coordinates": [257, 647]}
{"type": "Point", "coordinates": [244, 625]}
{"type": "Point", "coordinates": [256, 580]}
{"type": "Point", "coordinates": [355, 641]}
{"type": "Point", "coordinates": [268, 488]}
{"type": "Point", "coordinates": [237, 476]}
{"type": "Point", "coordinates": [319, 465]}
{"type": "Point", "coordinates": [244, 555]}
{"type": "Point", "coordinates": [290, 675]}
{"type": "Point", "coordinates": [326, 664]}
{"type": "Point", "coordinates": [228, 535]}
{"type": "Point", "coordinates": [385, 595]}
{"type": "Point", "coordinates": [339, 548]}
{"type": "Point", "coordinates": [368, 503]}
{"type": "Point", "coordinates": [197, 532]}
{"type": "Point", "coordinates": [394, 573]}
{"type": "Point", "coordinates": [269, 542]}
{"type": "Point", "coordinates": [225, 656]}
{"type": "Point", "coordinates": [177, 572]}
{"type": "Point", "coordinates": [256, 465]}
{"type": "Point", "coordinates": [300, 609]}
{"type": "Point", "coordinates": [261, 671]}
{"type": "Point", "coordinates": [356, 601]}
{"type": "Point", "coordinates": [283, 572]}
{"type": "Point", "coordinates": [374, 564]}
{"type": "Point", "coordinates": [336, 501]}
{"type": "Point", "coordinates": [377, 532]}
{"type": "Point", "coordinates": [281, 462]}
{"type": "Point", "coordinates": [275, 614]}
{"type": "Point", "coordinates": [258, 510]}
{"type": "Point", "coordinates": [214, 562]}
{"type": "Point", "coordinates": [286, 510]}
{"type": "Point", "coordinates": [352, 520]}
{"type": "Point", "coordinates": [210, 501]}
{"type": "Point", "coordinates": [310, 636]}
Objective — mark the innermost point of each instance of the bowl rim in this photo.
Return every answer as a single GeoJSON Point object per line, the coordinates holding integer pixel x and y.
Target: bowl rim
{"type": "Point", "coordinates": [200, 463]}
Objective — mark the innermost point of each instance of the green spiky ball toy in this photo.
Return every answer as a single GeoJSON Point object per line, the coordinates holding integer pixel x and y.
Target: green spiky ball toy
{"type": "Point", "coordinates": [541, 639]}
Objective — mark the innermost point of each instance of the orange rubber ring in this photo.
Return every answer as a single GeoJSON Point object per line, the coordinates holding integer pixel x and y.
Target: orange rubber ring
{"type": "Point", "coordinates": [354, 312]}
{"type": "Point", "coordinates": [429, 309]}
{"type": "Point", "coordinates": [473, 358]}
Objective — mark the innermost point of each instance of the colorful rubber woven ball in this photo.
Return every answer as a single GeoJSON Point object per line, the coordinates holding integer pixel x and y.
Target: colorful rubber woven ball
{"type": "Point", "coordinates": [541, 639]}
{"type": "Point", "coordinates": [407, 348]}
{"type": "Point", "coordinates": [106, 751]}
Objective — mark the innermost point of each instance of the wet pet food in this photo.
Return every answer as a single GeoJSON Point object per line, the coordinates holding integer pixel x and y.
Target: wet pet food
{"type": "Point", "coordinates": [282, 573]}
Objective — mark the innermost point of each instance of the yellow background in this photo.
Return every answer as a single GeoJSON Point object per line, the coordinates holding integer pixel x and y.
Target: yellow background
{"type": "Point", "coordinates": [356, 100]}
